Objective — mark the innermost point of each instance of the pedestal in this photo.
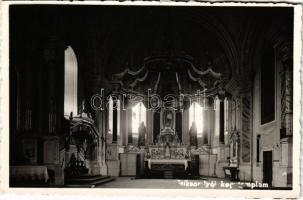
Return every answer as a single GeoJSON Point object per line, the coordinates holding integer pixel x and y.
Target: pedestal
{"type": "Point", "coordinates": [112, 160]}
{"type": "Point", "coordinates": [52, 158]}
{"type": "Point", "coordinates": [113, 167]}
{"type": "Point", "coordinates": [128, 164]}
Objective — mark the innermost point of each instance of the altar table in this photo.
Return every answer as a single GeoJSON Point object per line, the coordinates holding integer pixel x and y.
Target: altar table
{"type": "Point", "coordinates": [29, 173]}
{"type": "Point", "coordinates": [167, 161]}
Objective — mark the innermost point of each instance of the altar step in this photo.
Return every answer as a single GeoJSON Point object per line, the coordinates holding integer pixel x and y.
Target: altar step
{"type": "Point", "coordinates": [168, 174]}
{"type": "Point", "coordinates": [88, 181]}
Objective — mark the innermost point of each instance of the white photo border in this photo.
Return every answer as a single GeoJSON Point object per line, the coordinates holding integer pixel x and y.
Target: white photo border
{"type": "Point", "coordinates": [297, 114]}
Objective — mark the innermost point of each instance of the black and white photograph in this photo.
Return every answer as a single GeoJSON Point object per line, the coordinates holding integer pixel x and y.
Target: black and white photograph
{"type": "Point", "coordinates": [152, 97]}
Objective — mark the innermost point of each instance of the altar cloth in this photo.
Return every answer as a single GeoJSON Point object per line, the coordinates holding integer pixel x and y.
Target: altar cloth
{"type": "Point", "coordinates": [29, 172]}
{"type": "Point", "coordinates": [167, 161]}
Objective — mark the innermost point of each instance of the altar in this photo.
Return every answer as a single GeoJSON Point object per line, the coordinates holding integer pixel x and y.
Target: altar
{"type": "Point", "coordinates": [34, 174]}
{"type": "Point", "coordinates": [167, 162]}
{"type": "Point", "coordinates": [169, 157]}
{"type": "Point", "coordinates": [167, 154]}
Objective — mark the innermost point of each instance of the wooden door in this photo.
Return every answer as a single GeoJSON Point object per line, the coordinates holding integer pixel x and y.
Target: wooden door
{"type": "Point", "coordinates": [267, 167]}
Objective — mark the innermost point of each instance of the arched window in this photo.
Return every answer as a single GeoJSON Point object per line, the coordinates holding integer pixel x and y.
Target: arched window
{"type": "Point", "coordinates": [196, 115]}
{"type": "Point", "coordinates": [70, 82]}
{"type": "Point", "coordinates": [138, 116]}
{"type": "Point", "coordinates": [268, 85]}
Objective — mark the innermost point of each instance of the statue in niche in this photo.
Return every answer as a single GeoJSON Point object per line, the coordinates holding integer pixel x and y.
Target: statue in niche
{"type": "Point", "coordinates": [193, 134]}
{"type": "Point", "coordinates": [72, 160]}
{"type": "Point", "coordinates": [234, 149]}
{"type": "Point", "coordinates": [142, 133]}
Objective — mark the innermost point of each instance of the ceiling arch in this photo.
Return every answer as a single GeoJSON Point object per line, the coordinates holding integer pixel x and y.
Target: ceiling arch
{"type": "Point", "coordinates": [199, 35]}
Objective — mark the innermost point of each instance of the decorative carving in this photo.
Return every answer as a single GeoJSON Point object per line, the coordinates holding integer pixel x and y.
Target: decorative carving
{"type": "Point", "coordinates": [166, 152]}
{"type": "Point", "coordinates": [169, 74]}
{"type": "Point", "coordinates": [167, 136]}
{"type": "Point", "coordinates": [133, 149]}
{"type": "Point", "coordinates": [286, 89]}
{"type": "Point", "coordinates": [200, 150]}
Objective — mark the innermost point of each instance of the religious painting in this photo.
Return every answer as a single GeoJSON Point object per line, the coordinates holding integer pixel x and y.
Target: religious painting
{"type": "Point", "coordinates": [168, 119]}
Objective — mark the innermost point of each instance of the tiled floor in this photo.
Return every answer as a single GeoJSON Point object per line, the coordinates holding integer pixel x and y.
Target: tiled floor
{"type": "Point", "coordinates": [203, 183]}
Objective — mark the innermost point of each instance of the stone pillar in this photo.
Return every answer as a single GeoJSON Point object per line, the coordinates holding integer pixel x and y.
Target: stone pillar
{"type": "Point", "coordinates": [219, 139]}
{"type": "Point", "coordinates": [123, 127]}
{"type": "Point", "coordinates": [112, 159]}
{"type": "Point", "coordinates": [226, 120]}
{"type": "Point", "coordinates": [286, 100]}
{"type": "Point", "coordinates": [206, 124]}
{"type": "Point", "coordinates": [216, 137]}
{"type": "Point", "coordinates": [185, 127]}
{"type": "Point", "coordinates": [149, 126]}
{"type": "Point", "coordinates": [245, 119]}
{"type": "Point", "coordinates": [115, 122]}
{"type": "Point", "coordinates": [104, 121]}
{"type": "Point", "coordinates": [156, 125]}
{"type": "Point", "coordinates": [179, 125]}
{"type": "Point", "coordinates": [286, 132]}
{"type": "Point", "coordinates": [119, 112]}
{"type": "Point", "coordinates": [108, 129]}
{"type": "Point", "coordinates": [210, 121]}
{"type": "Point", "coordinates": [129, 125]}
{"type": "Point", "coordinates": [113, 149]}
{"type": "Point", "coordinates": [52, 158]}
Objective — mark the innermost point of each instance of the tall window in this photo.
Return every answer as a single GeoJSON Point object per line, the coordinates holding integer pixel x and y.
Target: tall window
{"type": "Point", "coordinates": [70, 82]}
{"type": "Point", "coordinates": [138, 116]}
{"type": "Point", "coordinates": [196, 115]}
{"type": "Point", "coordinates": [222, 113]}
{"type": "Point", "coordinates": [268, 86]}
{"type": "Point", "coordinates": [110, 115]}
{"type": "Point", "coordinates": [226, 115]}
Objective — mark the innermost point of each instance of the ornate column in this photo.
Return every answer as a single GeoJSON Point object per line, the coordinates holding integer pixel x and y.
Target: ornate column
{"type": "Point", "coordinates": [246, 127]}
{"type": "Point", "coordinates": [286, 92]}
{"type": "Point", "coordinates": [286, 131]}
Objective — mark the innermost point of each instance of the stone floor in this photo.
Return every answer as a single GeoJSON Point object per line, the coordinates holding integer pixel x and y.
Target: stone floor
{"type": "Point", "coordinates": [202, 183]}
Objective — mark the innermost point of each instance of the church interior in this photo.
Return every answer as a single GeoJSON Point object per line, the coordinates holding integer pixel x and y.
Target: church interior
{"type": "Point", "coordinates": [98, 93]}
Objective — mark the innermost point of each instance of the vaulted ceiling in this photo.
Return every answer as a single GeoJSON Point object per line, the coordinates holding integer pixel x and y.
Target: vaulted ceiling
{"type": "Point", "coordinates": [109, 39]}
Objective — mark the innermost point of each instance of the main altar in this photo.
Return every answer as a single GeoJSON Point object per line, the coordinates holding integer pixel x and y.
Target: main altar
{"type": "Point", "coordinates": [178, 129]}
{"type": "Point", "coordinates": [167, 158]}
